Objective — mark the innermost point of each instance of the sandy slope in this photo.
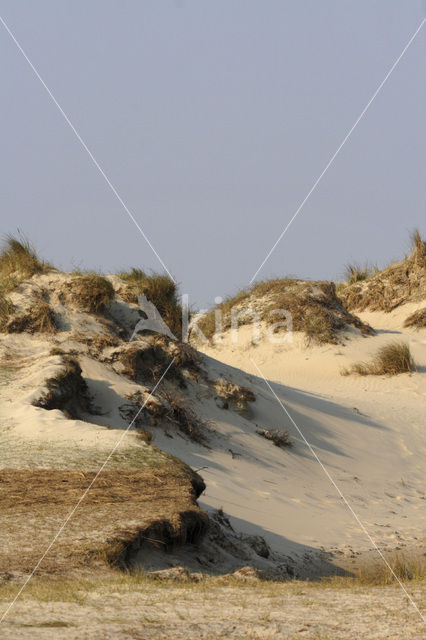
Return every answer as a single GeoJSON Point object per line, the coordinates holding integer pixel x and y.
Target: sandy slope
{"type": "Point", "coordinates": [368, 432]}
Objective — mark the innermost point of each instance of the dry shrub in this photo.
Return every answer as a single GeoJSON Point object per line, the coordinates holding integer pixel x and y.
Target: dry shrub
{"type": "Point", "coordinates": [91, 292]}
{"type": "Point", "coordinates": [391, 359]}
{"type": "Point", "coordinates": [416, 319]}
{"type": "Point", "coordinates": [279, 437]}
{"type": "Point", "coordinates": [98, 342]}
{"type": "Point", "coordinates": [314, 307]}
{"type": "Point", "coordinates": [158, 289]}
{"type": "Point", "coordinates": [234, 395]}
{"type": "Point", "coordinates": [39, 318]}
{"type": "Point", "coordinates": [18, 261]}
{"type": "Point", "coordinates": [396, 284]}
{"type": "Point", "coordinates": [146, 361]}
{"type": "Point", "coordinates": [180, 413]}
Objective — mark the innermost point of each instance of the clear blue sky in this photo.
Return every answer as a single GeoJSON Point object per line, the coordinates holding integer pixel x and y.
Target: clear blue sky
{"type": "Point", "coordinates": [213, 119]}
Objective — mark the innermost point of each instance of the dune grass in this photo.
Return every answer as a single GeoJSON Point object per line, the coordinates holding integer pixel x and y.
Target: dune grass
{"type": "Point", "coordinates": [160, 290]}
{"type": "Point", "coordinates": [18, 261]}
{"type": "Point", "coordinates": [354, 272]}
{"type": "Point", "coordinates": [391, 359]}
{"type": "Point", "coordinates": [416, 319]}
{"type": "Point", "coordinates": [39, 318]}
{"type": "Point", "coordinates": [91, 292]}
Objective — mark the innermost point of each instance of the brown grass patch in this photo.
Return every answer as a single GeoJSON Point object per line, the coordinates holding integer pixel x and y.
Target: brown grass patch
{"type": "Point", "coordinates": [234, 396]}
{"type": "Point", "coordinates": [6, 310]}
{"type": "Point", "coordinates": [279, 437]}
{"type": "Point", "coordinates": [314, 307]}
{"type": "Point", "coordinates": [391, 359]}
{"type": "Point", "coordinates": [39, 318]}
{"type": "Point", "coordinates": [18, 262]}
{"type": "Point", "coordinates": [158, 289]}
{"type": "Point", "coordinates": [90, 292]}
{"type": "Point", "coordinates": [396, 284]}
{"type": "Point", "coordinates": [416, 319]}
{"type": "Point", "coordinates": [160, 504]}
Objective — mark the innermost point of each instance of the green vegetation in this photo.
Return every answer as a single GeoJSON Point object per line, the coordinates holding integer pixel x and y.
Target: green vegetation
{"type": "Point", "coordinates": [160, 290]}
{"type": "Point", "coordinates": [391, 359]}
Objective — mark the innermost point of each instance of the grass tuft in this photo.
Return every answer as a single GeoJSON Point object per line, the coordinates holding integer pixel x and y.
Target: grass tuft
{"type": "Point", "coordinates": [39, 318]}
{"type": "Point", "coordinates": [391, 359]}
{"type": "Point", "coordinates": [416, 319]}
{"type": "Point", "coordinates": [91, 292]}
{"type": "Point", "coordinates": [354, 272]}
{"type": "Point", "coordinates": [158, 289]}
{"type": "Point", "coordinates": [279, 437]}
{"type": "Point", "coordinates": [18, 261]}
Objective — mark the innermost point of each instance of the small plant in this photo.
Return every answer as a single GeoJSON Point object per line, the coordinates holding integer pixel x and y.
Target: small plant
{"type": "Point", "coordinates": [18, 261]}
{"type": "Point", "coordinates": [160, 290]}
{"type": "Point", "coordinates": [354, 272]}
{"type": "Point", "coordinates": [406, 569]}
{"type": "Point", "coordinates": [391, 359]}
{"type": "Point", "coordinates": [234, 395]}
{"type": "Point", "coordinates": [39, 318]}
{"type": "Point", "coordinates": [416, 319]}
{"type": "Point", "coordinates": [180, 413]}
{"type": "Point", "coordinates": [279, 437]}
{"type": "Point", "coordinates": [91, 292]}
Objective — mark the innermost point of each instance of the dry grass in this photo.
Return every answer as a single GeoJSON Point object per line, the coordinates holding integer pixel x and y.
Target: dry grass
{"type": "Point", "coordinates": [18, 261]}
{"type": "Point", "coordinates": [6, 310]}
{"type": "Point", "coordinates": [391, 359]}
{"type": "Point", "coordinates": [355, 272]}
{"type": "Point", "coordinates": [279, 437]}
{"type": "Point", "coordinates": [314, 307]}
{"type": "Point", "coordinates": [416, 319]}
{"type": "Point", "coordinates": [398, 283]}
{"type": "Point", "coordinates": [234, 396]}
{"type": "Point", "coordinates": [39, 318]}
{"type": "Point", "coordinates": [159, 503]}
{"type": "Point", "coordinates": [158, 289]}
{"type": "Point", "coordinates": [406, 568]}
{"type": "Point", "coordinates": [90, 292]}
{"type": "Point", "coordinates": [180, 413]}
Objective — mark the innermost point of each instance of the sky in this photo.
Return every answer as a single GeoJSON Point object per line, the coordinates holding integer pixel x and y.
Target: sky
{"type": "Point", "coordinates": [212, 120]}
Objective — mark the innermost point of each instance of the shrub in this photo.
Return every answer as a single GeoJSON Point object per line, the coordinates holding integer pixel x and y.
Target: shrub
{"type": "Point", "coordinates": [18, 261]}
{"type": "Point", "coordinates": [390, 359]}
{"type": "Point", "coordinates": [180, 413]}
{"type": "Point", "coordinates": [416, 319]}
{"type": "Point", "coordinates": [91, 292]}
{"type": "Point", "coordinates": [233, 394]}
{"type": "Point", "coordinates": [39, 318]}
{"type": "Point", "coordinates": [279, 437]}
{"type": "Point", "coordinates": [158, 289]}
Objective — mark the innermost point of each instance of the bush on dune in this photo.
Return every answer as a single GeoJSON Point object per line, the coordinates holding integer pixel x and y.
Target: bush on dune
{"type": "Point", "coordinates": [160, 290]}
{"type": "Point", "coordinates": [18, 261]}
{"type": "Point", "coordinates": [91, 292]}
{"type": "Point", "coordinates": [391, 359]}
